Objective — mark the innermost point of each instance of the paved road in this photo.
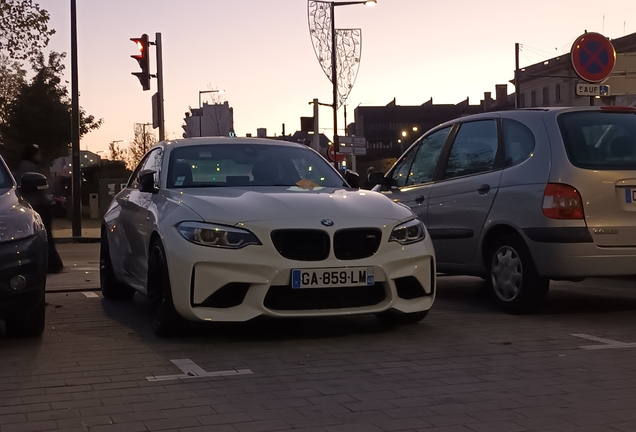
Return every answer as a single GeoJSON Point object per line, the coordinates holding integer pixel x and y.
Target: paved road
{"type": "Point", "coordinates": [465, 368]}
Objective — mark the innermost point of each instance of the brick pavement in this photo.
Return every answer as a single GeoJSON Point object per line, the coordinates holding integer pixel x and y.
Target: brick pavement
{"type": "Point", "coordinates": [465, 368]}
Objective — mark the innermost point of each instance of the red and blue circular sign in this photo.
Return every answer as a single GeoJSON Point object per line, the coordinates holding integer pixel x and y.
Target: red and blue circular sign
{"type": "Point", "coordinates": [593, 57]}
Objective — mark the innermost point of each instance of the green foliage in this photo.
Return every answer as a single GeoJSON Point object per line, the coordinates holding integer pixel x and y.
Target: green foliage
{"type": "Point", "coordinates": [41, 113]}
{"type": "Point", "coordinates": [12, 76]}
{"type": "Point", "coordinates": [24, 29]}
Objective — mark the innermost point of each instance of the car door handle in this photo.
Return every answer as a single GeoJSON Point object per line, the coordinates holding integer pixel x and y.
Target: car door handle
{"type": "Point", "coordinates": [483, 189]}
{"type": "Point", "coordinates": [419, 199]}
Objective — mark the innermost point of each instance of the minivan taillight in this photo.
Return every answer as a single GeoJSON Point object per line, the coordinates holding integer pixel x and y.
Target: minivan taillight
{"type": "Point", "coordinates": [561, 201]}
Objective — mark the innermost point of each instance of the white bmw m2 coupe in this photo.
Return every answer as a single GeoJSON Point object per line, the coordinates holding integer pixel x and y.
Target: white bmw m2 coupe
{"type": "Point", "coordinates": [228, 229]}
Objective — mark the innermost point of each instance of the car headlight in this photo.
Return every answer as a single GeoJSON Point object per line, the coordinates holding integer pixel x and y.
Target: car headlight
{"type": "Point", "coordinates": [221, 236]}
{"type": "Point", "coordinates": [12, 228]}
{"type": "Point", "coordinates": [408, 232]}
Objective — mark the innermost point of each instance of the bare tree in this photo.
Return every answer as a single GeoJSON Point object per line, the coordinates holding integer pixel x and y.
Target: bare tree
{"type": "Point", "coordinates": [115, 152]}
{"type": "Point", "coordinates": [144, 140]}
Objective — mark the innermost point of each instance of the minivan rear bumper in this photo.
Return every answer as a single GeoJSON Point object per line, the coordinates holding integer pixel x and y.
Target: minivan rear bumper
{"type": "Point", "coordinates": [577, 260]}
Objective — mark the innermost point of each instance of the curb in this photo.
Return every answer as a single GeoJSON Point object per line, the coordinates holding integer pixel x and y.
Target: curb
{"type": "Point", "coordinates": [76, 239]}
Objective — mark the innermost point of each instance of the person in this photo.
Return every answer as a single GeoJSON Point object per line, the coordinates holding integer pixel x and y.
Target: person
{"type": "Point", "coordinates": [29, 162]}
{"type": "Point", "coordinates": [40, 201]}
{"type": "Point", "coordinates": [366, 184]}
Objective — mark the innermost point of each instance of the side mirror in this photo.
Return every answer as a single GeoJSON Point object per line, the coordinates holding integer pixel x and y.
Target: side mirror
{"type": "Point", "coordinates": [353, 178]}
{"type": "Point", "coordinates": [146, 182]}
{"type": "Point", "coordinates": [376, 178]}
{"type": "Point", "coordinates": [32, 182]}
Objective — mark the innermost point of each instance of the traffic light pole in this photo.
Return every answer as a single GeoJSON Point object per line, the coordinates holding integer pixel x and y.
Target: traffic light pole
{"type": "Point", "coordinates": [162, 130]}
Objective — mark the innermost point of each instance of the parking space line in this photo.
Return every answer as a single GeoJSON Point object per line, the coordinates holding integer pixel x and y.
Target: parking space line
{"type": "Point", "coordinates": [606, 343]}
{"type": "Point", "coordinates": [90, 294]}
{"type": "Point", "coordinates": [192, 370]}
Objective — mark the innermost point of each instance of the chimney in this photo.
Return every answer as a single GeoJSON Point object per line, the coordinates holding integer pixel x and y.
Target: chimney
{"type": "Point", "coordinates": [501, 91]}
{"type": "Point", "coordinates": [261, 133]}
{"type": "Point", "coordinates": [487, 101]}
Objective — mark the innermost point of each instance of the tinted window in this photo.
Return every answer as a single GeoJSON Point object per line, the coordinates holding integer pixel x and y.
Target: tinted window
{"type": "Point", "coordinates": [518, 141]}
{"type": "Point", "coordinates": [223, 165]}
{"type": "Point", "coordinates": [5, 178]}
{"type": "Point", "coordinates": [474, 149]}
{"type": "Point", "coordinates": [427, 156]}
{"type": "Point", "coordinates": [400, 174]}
{"type": "Point", "coordinates": [152, 161]}
{"type": "Point", "coordinates": [600, 140]}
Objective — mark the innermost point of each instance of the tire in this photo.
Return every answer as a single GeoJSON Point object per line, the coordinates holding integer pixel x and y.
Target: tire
{"type": "Point", "coordinates": [29, 326]}
{"type": "Point", "coordinates": [166, 321]}
{"type": "Point", "coordinates": [112, 289]}
{"type": "Point", "coordinates": [392, 317]}
{"type": "Point", "coordinates": [515, 283]}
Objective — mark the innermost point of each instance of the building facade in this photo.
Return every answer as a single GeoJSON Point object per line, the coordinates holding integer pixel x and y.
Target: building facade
{"type": "Point", "coordinates": [552, 83]}
{"type": "Point", "coordinates": [209, 120]}
{"type": "Point", "coordinates": [390, 129]}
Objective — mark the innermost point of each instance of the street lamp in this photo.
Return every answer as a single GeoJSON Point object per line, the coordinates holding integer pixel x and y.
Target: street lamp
{"type": "Point", "coordinates": [404, 135]}
{"type": "Point", "coordinates": [334, 72]}
{"type": "Point", "coordinates": [201, 109]}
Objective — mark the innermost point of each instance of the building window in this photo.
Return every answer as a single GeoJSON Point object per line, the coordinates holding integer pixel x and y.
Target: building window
{"type": "Point", "coordinates": [533, 98]}
{"type": "Point", "coordinates": [546, 97]}
{"type": "Point", "coordinates": [557, 93]}
{"type": "Point", "coordinates": [522, 101]}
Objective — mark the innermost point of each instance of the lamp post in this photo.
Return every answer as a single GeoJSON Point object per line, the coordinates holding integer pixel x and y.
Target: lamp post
{"type": "Point", "coordinates": [201, 108]}
{"type": "Point", "coordinates": [334, 72]}
{"type": "Point", "coordinates": [143, 132]}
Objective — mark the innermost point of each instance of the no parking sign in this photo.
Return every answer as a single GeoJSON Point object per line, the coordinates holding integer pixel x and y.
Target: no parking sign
{"type": "Point", "coordinates": [593, 57]}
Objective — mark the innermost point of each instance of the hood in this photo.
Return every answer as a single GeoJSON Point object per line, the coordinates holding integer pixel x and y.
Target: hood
{"type": "Point", "coordinates": [233, 205]}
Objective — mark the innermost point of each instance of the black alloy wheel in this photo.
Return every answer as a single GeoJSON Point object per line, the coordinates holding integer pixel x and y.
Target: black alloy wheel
{"type": "Point", "coordinates": [112, 289]}
{"type": "Point", "coordinates": [166, 321]}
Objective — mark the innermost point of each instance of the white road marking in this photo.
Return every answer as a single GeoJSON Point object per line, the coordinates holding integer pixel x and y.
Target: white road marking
{"type": "Point", "coordinates": [90, 294]}
{"type": "Point", "coordinates": [191, 370]}
{"type": "Point", "coordinates": [91, 268]}
{"type": "Point", "coordinates": [606, 343]}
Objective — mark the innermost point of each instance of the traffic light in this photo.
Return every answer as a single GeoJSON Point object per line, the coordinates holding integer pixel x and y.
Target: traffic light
{"type": "Point", "coordinates": [143, 58]}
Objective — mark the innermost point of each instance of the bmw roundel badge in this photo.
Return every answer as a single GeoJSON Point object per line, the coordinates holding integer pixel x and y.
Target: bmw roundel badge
{"type": "Point", "coordinates": [327, 222]}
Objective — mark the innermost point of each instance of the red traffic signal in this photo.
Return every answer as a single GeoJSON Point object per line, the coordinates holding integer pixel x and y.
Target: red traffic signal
{"type": "Point", "coordinates": [143, 58]}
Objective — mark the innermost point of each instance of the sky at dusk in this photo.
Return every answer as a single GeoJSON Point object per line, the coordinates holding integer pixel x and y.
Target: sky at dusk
{"type": "Point", "coordinates": [260, 53]}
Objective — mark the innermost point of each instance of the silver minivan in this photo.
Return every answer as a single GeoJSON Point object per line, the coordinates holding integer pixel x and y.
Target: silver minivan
{"type": "Point", "coordinates": [524, 196]}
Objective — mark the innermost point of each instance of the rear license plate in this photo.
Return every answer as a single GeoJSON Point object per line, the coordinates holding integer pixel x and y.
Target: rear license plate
{"type": "Point", "coordinates": [332, 277]}
{"type": "Point", "coordinates": [630, 196]}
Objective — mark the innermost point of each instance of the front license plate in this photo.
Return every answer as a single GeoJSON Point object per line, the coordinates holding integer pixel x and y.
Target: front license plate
{"type": "Point", "coordinates": [332, 277]}
{"type": "Point", "coordinates": [630, 196]}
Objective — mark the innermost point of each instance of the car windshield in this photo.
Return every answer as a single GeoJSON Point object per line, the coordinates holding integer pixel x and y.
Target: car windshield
{"type": "Point", "coordinates": [247, 165]}
{"type": "Point", "coordinates": [603, 140]}
{"type": "Point", "coordinates": [5, 178]}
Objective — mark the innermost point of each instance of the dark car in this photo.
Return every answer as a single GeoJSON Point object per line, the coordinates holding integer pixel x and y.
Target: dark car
{"type": "Point", "coordinates": [23, 261]}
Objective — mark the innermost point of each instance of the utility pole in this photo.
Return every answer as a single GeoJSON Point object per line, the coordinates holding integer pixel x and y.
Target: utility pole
{"type": "Point", "coordinates": [143, 132]}
{"type": "Point", "coordinates": [75, 130]}
{"type": "Point", "coordinates": [517, 76]}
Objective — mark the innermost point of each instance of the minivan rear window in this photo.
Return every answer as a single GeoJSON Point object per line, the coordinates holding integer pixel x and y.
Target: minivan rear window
{"type": "Point", "coordinates": [600, 140]}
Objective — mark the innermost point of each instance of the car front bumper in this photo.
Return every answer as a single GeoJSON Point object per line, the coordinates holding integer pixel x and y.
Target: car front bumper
{"type": "Point", "coordinates": [211, 284]}
{"type": "Point", "coordinates": [26, 258]}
